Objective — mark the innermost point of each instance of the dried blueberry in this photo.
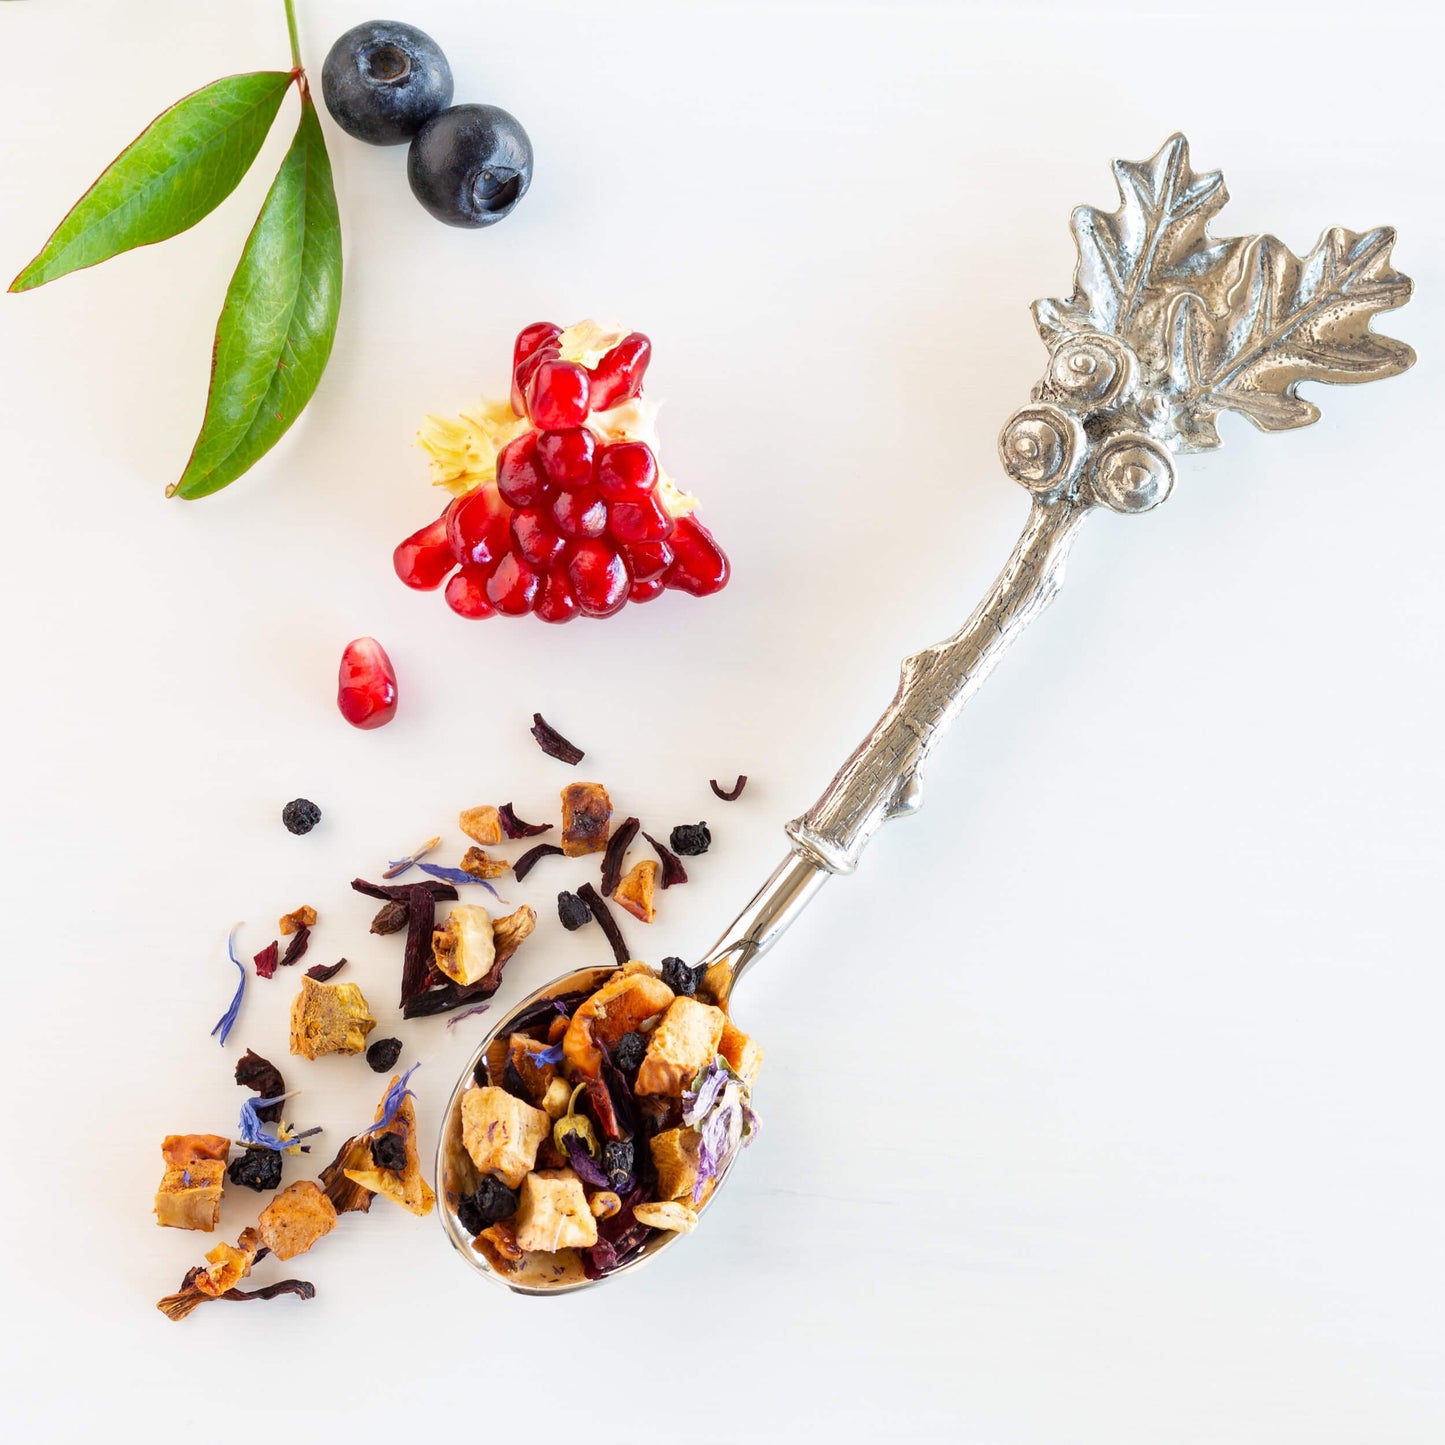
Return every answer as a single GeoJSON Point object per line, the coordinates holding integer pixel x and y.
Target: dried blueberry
{"type": "Point", "coordinates": [679, 977]}
{"type": "Point", "coordinates": [690, 839]}
{"type": "Point", "coordinates": [388, 1151]}
{"type": "Point", "coordinates": [491, 1202]}
{"type": "Point", "coordinates": [383, 81]}
{"type": "Point", "coordinates": [618, 1158]}
{"type": "Point", "coordinates": [300, 815]}
{"type": "Point", "coordinates": [256, 1169]}
{"type": "Point", "coordinates": [383, 1054]}
{"type": "Point", "coordinates": [572, 911]}
{"type": "Point", "coordinates": [629, 1051]}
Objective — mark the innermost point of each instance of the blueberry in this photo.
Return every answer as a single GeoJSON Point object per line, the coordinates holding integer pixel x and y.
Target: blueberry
{"type": "Point", "coordinates": [383, 81]}
{"type": "Point", "coordinates": [470, 165]}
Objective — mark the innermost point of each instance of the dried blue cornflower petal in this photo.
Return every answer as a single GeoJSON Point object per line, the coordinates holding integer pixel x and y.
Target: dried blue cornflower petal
{"type": "Point", "coordinates": [227, 1020]}
{"type": "Point", "coordinates": [479, 1008]}
{"type": "Point", "coordinates": [458, 876]}
{"type": "Point", "coordinates": [400, 865]}
{"type": "Point", "coordinates": [186, 1177]}
{"type": "Point", "coordinates": [252, 1129]}
{"type": "Point", "coordinates": [396, 1096]}
{"type": "Point", "coordinates": [550, 1055]}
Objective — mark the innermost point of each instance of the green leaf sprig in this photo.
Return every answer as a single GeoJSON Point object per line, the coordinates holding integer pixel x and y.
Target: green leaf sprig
{"type": "Point", "coordinates": [277, 325]}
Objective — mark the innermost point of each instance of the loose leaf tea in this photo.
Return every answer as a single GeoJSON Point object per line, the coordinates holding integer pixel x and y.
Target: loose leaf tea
{"type": "Point", "coordinates": [513, 826]}
{"type": "Point", "coordinates": [553, 743]}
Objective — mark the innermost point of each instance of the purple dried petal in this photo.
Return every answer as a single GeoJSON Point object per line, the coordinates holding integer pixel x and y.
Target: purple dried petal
{"type": "Point", "coordinates": [514, 827]}
{"type": "Point", "coordinates": [227, 1020]}
{"type": "Point", "coordinates": [416, 966]}
{"type": "Point", "coordinates": [587, 1168]}
{"type": "Point", "coordinates": [553, 743]}
{"type": "Point", "coordinates": [672, 869]}
{"type": "Point", "coordinates": [532, 857]}
{"type": "Point", "coordinates": [396, 1096]}
{"type": "Point", "coordinates": [605, 921]}
{"type": "Point", "coordinates": [267, 959]}
{"type": "Point", "coordinates": [478, 1008]}
{"type": "Point", "coordinates": [617, 847]}
{"type": "Point", "coordinates": [732, 794]}
{"type": "Point", "coordinates": [458, 876]}
{"type": "Point", "coordinates": [402, 892]}
{"type": "Point", "coordinates": [323, 971]}
{"type": "Point", "coordinates": [301, 1288]}
{"type": "Point", "coordinates": [545, 1009]}
{"type": "Point", "coordinates": [297, 946]}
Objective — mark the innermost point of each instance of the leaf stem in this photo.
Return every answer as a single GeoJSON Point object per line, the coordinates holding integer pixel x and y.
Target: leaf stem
{"type": "Point", "coordinates": [291, 31]}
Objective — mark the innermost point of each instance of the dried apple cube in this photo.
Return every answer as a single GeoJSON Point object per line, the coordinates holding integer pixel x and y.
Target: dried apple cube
{"type": "Point", "coordinates": [464, 947]}
{"type": "Point", "coordinates": [481, 825]}
{"type": "Point", "coordinates": [502, 1133]}
{"type": "Point", "coordinates": [296, 1218]}
{"type": "Point", "coordinates": [552, 1213]}
{"type": "Point", "coordinates": [586, 818]}
{"type": "Point", "coordinates": [329, 1018]}
{"type": "Point", "coordinates": [675, 1157]}
{"type": "Point", "coordinates": [742, 1052]}
{"type": "Point", "coordinates": [685, 1040]}
{"type": "Point", "coordinates": [666, 1214]}
{"type": "Point", "coordinates": [635, 891]}
{"type": "Point", "coordinates": [190, 1194]}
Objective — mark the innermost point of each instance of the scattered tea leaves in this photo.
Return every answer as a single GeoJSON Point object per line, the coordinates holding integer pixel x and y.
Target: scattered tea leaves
{"type": "Point", "coordinates": [476, 1008]}
{"type": "Point", "coordinates": [227, 1020]}
{"type": "Point", "coordinates": [672, 869]}
{"type": "Point", "coordinates": [323, 972]}
{"type": "Point", "coordinates": [416, 967]}
{"type": "Point", "coordinates": [399, 866]}
{"type": "Point", "coordinates": [267, 959]}
{"type": "Point", "coordinates": [301, 1288]}
{"type": "Point", "coordinates": [296, 947]}
{"type": "Point", "coordinates": [729, 795]}
{"type": "Point", "coordinates": [605, 921]}
{"type": "Point", "coordinates": [262, 1077]}
{"type": "Point", "coordinates": [457, 877]}
{"type": "Point", "coordinates": [553, 743]}
{"type": "Point", "coordinates": [617, 848]}
{"type": "Point", "coordinates": [513, 826]}
{"type": "Point", "coordinates": [532, 857]}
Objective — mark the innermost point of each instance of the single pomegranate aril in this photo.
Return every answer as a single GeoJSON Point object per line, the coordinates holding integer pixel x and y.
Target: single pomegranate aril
{"type": "Point", "coordinates": [477, 527]}
{"type": "Point", "coordinates": [618, 375]}
{"type": "Point", "coordinates": [566, 458]}
{"type": "Point", "coordinates": [643, 521]}
{"type": "Point", "coordinates": [598, 576]}
{"type": "Point", "coordinates": [646, 560]}
{"type": "Point", "coordinates": [466, 593]}
{"type": "Point", "coordinates": [531, 340]}
{"type": "Point", "coordinates": [537, 541]}
{"type": "Point", "coordinates": [518, 480]}
{"type": "Point", "coordinates": [698, 565]}
{"type": "Point", "coordinates": [425, 558]}
{"type": "Point", "coordinates": [513, 587]}
{"type": "Point", "coordinates": [580, 514]}
{"type": "Point", "coordinates": [366, 684]}
{"type": "Point", "coordinates": [556, 602]}
{"type": "Point", "coordinates": [646, 591]}
{"type": "Point", "coordinates": [626, 471]}
{"type": "Point", "coordinates": [557, 395]}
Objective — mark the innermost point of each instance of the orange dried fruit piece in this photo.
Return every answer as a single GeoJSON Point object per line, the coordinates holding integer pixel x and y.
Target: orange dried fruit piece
{"type": "Point", "coordinates": [741, 1051]}
{"type": "Point", "coordinates": [303, 917]}
{"type": "Point", "coordinates": [502, 1133]}
{"type": "Point", "coordinates": [685, 1040]}
{"type": "Point", "coordinates": [480, 864]}
{"type": "Point", "coordinates": [666, 1214]}
{"type": "Point", "coordinates": [675, 1157]}
{"type": "Point", "coordinates": [622, 1005]}
{"type": "Point", "coordinates": [635, 891]}
{"type": "Point", "coordinates": [482, 825]}
{"type": "Point", "coordinates": [405, 1187]}
{"type": "Point", "coordinates": [296, 1218]}
{"type": "Point", "coordinates": [586, 818]}
{"type": "Point", "coordinates": [189, 1196]}
{"type": "Point", "coordinates": [552, 1213]}
{"type": "Point", "coordinates": [464, 947]}
{"type": "Point", "coordinates": [183, 1149]}
{"type": "Point", "coordinates": [329, 1018]}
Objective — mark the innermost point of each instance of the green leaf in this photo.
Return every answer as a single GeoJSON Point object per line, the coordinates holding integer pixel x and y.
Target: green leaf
{"type": "Point", "coordinates": [278, 322]}
{"type": "Point", "coordinates": [179, 169]}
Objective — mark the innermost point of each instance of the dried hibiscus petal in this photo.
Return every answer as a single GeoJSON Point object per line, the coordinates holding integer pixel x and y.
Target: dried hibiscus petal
{"type": "Point", "coordinates": [617, 848]}
{"type": "Point", "coordinates": [301, 1288]}
{"type": "Point", "coordinates": [514, 827]}
{"type": "Point", "coordinates": [729, 795]}
{"type": "Point", "coordinates": [262, 1077]}
{"type": "Point", "coordinates": [532, 857]}
{"type": "Point", "coordinates": [605, 921]}
{"type": "Point", "coordinates": [323, 971]}
{"type": "Point", "coordinates": [416, 967]}
{"type": "Point", "coordinates": [267, 958]}
{"type": "Point", "coordinates": [672, 869]}
{"type": "Point", "coordinates": [402, 892]}
{"type": "Point", "coordinates": [297, 946]}
{"type": "Point", "coordinates": [553, 743]}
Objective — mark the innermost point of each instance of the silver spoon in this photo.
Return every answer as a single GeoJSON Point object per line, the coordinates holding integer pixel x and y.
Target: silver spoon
{"type": "Point", "coordinates": [1167, 327]}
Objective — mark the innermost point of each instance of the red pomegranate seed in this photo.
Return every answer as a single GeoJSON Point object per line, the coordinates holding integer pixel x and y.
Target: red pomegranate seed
{"type": "Point", "coordinates": [366, 684]}
{"type": "Point", "coordinates": [531, 340]}
{"type": "Point", "coordinates": [618, 375]}
{"type": "Point", "coordinates": [424, 559]}
{"type": "Point", "coordinates": [580, 514]}
{"type": "Point", "coordinates": [644, 521]}
{"type": "Point", "coordinates": [477, 527]}
{"type": "Point", "coordinates": [513, 587]}
{"type": "Point", "coordinates": [566, 458]}
{"type": "Point", "coordinates": [466, 593]}
{"type": "Point", "coordinates": [556, 602]}
{"type": "Point", "coordinates": [626, 471]}
{"type": "Point", "coordinates": [537, 540]}
{"type": "Point", "coordinates": [518, 479]}
{"type": "Point", "coordinates": [598, 576]}
{"type": "Point", "coordinates": [557, 395]}
{"type": "Point", "coordinates": [646, 591]}
{"type": "Point", "coordinates": [699, 565]}
{"type": "Point", "coordinates": [646, 560]}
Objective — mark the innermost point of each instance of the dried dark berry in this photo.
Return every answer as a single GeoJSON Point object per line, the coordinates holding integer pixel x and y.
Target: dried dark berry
{"type": "Point", "coordinates": [690, 839]}
{"type": "Point", "coordinates": [391, 917]}
{"type": "Point", "coordinates": [572, 911]}
{"type": "Point", "coordinates": [256, 1169]}
{"type": "Point", "coordinates": [383, 1054]}
{"type": "Point", "coordinates": [388, 1151]}
{"type": "Point", "coordinates": [300, 815]}
{"type": "Point", "coordinates": [679, 977]}
{"type": "Point", "coordinates": [493, 1201]}
{"type": "Point", "coordinates": [629, 1051]}
{"type": "Point", "coordinates": [618, 1159]}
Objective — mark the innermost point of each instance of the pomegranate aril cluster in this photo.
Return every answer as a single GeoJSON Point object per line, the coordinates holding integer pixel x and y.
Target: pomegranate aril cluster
{"type": "Point", "coordinates": [575, 522]}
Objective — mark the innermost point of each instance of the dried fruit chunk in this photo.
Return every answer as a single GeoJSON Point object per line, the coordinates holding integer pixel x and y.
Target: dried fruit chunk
{"type": "Point", "coordinates": [464, 948]}
{"type": "Point", "coordinates": [586, 816]}
{"type": "Point", "coordinates": [329, 1018]}
{"type": "Point", "coordinates": [732, 794]}
{"type": "Point", "coordinates": [183, 1149]}
{"type": "Point", "coordinates": [482, 825]}
{"type": "Point", "coordinates": [480, 864]}
{"type": "Point", "coordinates": [635, 891]}
{"type": "Point", "coordinates": [502, 1133]}
{"type": "Point", "coordinates": [685, 1040]}
{"type": "Point", "coordinates": [511, 931]}
{"type": "Point", "coordinates": [675, 1158]}
{"type": "Point", "coordinates": [295, 1219]}
{"type": "Point", "coordinates": [552, 1213]}
{"type": "Point", "coordinates": [745, 1055]}
{"type": "Point", "coordinates": [189, 1196]}
{"type": "Point", "coordinates": [621, 1006]}
{"type": "Point", "coordinates": [666, 1214]}
{"type": "Point", "coordinates": [406, 1186]}
{"type": "Point", "coordinates": [303, 917]}
{"type": "Point", "coordinates": [553, 743]}
{"type": "Point", "coordinates": [617, 848]}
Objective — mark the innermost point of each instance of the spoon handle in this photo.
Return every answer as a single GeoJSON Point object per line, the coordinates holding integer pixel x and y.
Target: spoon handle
{"type": "Point", "coordinates": [883, 778]}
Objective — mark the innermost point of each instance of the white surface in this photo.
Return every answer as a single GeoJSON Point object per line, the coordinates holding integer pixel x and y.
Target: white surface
{"type": "Point", "coordinates": [1103, 1105]}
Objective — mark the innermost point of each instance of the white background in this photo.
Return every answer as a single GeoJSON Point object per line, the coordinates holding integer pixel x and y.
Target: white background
{"type": "Point", "coordinates": [1103, 1105]}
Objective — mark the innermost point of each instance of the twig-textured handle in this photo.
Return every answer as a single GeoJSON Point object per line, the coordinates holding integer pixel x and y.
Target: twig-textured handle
{"type": "Point", "coordinates": [881, 780]}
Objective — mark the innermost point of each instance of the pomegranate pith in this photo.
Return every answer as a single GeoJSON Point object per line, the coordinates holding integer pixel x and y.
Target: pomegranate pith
{"type": "Point", "coordinates": [425, 558]}
{"type": "Point", "coordinates": [366, 684]}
